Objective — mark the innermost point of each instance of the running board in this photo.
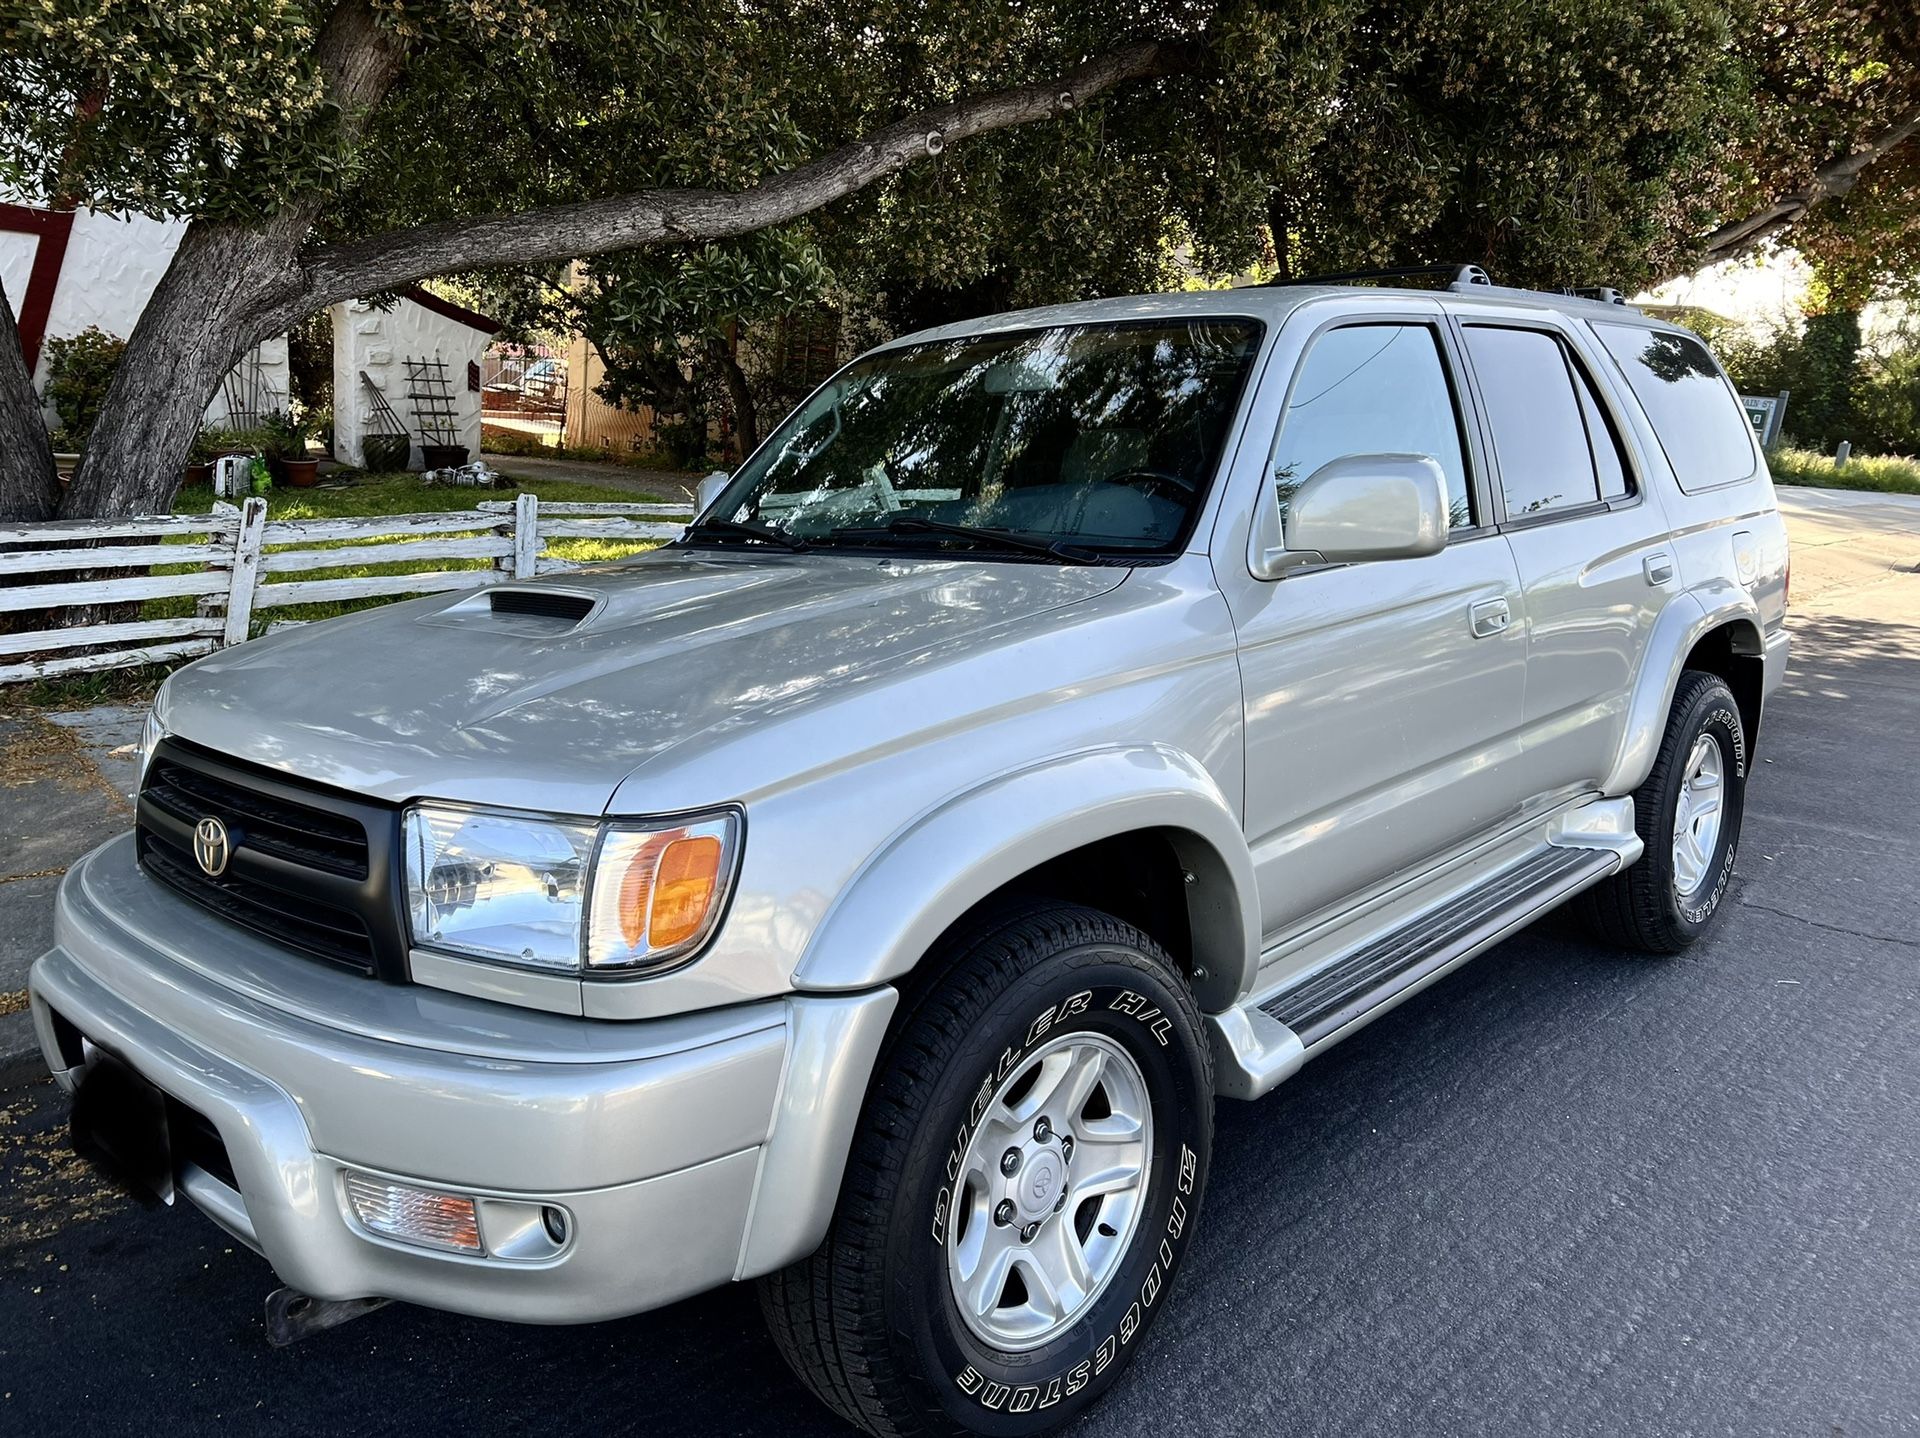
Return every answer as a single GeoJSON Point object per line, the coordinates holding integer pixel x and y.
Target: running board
{"type": "Point", "coordinates": [1264, 1041]}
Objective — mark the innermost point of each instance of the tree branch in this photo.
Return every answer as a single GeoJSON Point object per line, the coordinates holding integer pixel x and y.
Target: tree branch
{"type": "Point", "coordinates": [1829, 181]}
{"type": "Point", "coordinates": [648, 217]}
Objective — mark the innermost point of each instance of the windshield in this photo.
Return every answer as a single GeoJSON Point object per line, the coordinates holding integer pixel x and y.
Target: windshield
{"type": "Point", "coordinates": [1093, 438]}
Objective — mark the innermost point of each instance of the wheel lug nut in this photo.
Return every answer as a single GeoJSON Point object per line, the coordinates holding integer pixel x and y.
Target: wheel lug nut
{"type": "Point", "coordinates": [1027, 1233]}
{"type": "Point", "coordinates": [1003, 1215]}
{"type": "Point", "coordinates": [1066, 1147]}
{"type": "Point", "coordinates": [1042, 1131]}
{"type": "Point", "coordinates": [1010, 1161]}
{"type": "Point", "coordinates": [1060, 1202]}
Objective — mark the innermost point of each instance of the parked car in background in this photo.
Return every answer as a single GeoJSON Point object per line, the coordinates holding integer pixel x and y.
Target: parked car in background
{"type": "Point", "coordinates": [536, 386]}
{"type": "Point", "coordinates": [1063, 720]}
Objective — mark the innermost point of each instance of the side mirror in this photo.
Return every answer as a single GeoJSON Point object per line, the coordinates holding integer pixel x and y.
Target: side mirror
{"type": "Point", "coordinates": [709, 491]}
{"type": "Point", "coordinates": [1355, 508]}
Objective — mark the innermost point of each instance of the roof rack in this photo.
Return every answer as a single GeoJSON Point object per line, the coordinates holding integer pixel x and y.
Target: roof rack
{"type": "Point", "coordinates": [1463, 279]}
{"type": "Point", "coordinates": [1457, 276]}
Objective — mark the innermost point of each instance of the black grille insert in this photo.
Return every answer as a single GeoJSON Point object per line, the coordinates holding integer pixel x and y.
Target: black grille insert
{"type": "Point", "coordinates": [307, 867]}
{"type": "Point", "coordinates": [320, 929]}
{"type": "Point", "coordinates": [541, 603]}
{"type": "Point", "coordinates": [294, 831]}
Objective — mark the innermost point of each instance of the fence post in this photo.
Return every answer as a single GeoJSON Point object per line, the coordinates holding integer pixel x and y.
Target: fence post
{"type": "Point", "coordinates": [526, 536]}
{"type": "Point", "coordinates": [246, 569]}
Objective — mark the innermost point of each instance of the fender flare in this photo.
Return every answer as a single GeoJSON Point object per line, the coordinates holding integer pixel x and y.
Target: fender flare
{"type": "Point", "coordinates": [949, 858]}
{"type": "Point", "coordinates": [1681, 625]}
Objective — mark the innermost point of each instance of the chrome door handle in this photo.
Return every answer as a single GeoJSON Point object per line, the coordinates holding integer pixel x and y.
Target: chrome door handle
{"type": "Point", "coordinates": [1489, 617]}
{"type": "Point", "coordinates": [1659, 568]}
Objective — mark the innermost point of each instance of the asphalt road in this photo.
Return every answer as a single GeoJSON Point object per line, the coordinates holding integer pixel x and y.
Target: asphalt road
{"type": "Point", "coordinates": [1564, 1191]}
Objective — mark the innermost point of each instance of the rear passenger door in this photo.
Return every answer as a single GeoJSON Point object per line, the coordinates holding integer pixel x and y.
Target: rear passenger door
{"type": "Point", "coordinates": [1590, 541]}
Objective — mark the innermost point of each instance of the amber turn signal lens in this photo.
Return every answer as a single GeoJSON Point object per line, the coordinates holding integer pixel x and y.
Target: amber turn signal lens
{"type": "Point", "coordinates": [657, 892]}
{"type": "Point", "coordinates": [683, 890]}
{"type": "Point", "coordinates": [669, 885]}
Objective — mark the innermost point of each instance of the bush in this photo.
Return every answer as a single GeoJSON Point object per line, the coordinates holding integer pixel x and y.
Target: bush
{"type": "Point", "coordinates": [1884, 475]}
{"type": "Point", "coordinates": [79, 369]}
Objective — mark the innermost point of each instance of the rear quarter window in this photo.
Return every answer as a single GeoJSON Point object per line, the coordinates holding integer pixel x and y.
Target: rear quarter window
{"type": "Point", "coordinates": [1693, 410]}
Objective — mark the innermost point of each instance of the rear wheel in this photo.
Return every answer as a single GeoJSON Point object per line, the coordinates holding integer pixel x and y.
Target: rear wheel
{"type": "Point", "coordinates": [1688, 815]}
{"type": "Point", "coordinates": [1022, 1188]}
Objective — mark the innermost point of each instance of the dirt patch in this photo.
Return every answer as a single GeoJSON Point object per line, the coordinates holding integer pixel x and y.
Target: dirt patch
{"type": "Point", "coordinates": [49, 1189]}
{"type": "Point", "coordinates": [33, 751]}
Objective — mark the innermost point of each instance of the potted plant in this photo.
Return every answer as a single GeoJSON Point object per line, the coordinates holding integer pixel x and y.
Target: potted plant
{"type": "Point", "coordinates": [443, 456]}
{"type": "Point", "coordinates": [286, 447]}
{"type": "Point", "coordinates": [200, 457]}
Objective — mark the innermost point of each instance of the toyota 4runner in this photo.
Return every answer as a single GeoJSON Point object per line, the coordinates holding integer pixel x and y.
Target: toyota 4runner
{"type": "Point", "coordinates": [1062, 720]}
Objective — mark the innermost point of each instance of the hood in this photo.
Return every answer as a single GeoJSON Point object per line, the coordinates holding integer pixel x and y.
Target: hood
{"type": "Point", "coordinates": [444, 697]}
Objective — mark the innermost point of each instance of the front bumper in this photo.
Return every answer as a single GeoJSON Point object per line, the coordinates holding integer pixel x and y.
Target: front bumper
{"type": "Point", "coordinates": [685, 1151]}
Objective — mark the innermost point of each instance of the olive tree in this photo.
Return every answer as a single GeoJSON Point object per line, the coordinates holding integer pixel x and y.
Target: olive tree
{"type": "Point", "coordinates": [312, 148]}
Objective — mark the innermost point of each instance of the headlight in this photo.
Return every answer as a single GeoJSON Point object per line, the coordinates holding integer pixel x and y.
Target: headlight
{"type": "Point", "coordinates": [519, 889]}
{"type": "Point", "coordinates": [151, 733]}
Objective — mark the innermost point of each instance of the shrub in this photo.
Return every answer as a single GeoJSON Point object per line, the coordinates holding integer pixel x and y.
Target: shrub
{"type": "Point", "coordinates": [79, 369]}
{"type": "Point", "coordinates": [1883, 474]}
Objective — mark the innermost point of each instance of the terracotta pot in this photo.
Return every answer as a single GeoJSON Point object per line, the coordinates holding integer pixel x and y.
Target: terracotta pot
{"type": "Point", "coordinates": [300, 473]}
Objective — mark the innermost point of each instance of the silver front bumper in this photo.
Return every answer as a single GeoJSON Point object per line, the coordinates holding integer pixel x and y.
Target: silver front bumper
{"type": "Point", "coordinates": [686, 1151]}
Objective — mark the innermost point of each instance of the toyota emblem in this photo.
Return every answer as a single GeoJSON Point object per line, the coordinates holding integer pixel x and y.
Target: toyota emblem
{"type": "Point", "coordinates": [210, 847]}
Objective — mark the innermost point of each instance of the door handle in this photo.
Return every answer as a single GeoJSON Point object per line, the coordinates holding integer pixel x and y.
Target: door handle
{"type": "Point", "coordinates": [1659, 568]}
{"type": "Point", "coordinates": [1489, 617]}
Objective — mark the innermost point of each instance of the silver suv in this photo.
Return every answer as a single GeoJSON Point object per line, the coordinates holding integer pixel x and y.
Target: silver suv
{"type": "Point", "coordinates": [1062, 720]}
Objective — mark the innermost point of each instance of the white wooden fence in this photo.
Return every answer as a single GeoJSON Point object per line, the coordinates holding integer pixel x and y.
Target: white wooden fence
{"type": "Point", "coordinates": [236, 562]}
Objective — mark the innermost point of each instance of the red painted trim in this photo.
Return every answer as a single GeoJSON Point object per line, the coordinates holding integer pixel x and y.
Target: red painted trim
{"type": "Point", "coordinates": [460, 314]}
{"type": "Point", "coordinates": [53, 228]}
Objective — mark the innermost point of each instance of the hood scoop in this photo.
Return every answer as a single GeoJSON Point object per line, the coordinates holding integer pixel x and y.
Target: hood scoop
{"type": "Point", "coordinates": [528, 611]}
{"type": "Point", "coordinates": [540, 604]}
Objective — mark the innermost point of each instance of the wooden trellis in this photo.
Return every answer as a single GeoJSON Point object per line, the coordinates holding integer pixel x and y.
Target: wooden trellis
{"type": "Point", "coordinates": [431, 394]}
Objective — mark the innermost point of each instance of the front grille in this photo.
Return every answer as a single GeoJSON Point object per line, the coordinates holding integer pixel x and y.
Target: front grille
{"type": "Point", "coordinates": [308, 867]}
{"type": "Point", "coordinates": [318, 928]}
{"type": "Point", "coordinates": [294, 831]}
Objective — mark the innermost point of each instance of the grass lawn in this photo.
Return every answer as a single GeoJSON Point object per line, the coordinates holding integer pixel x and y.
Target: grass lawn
{"type": "Point", "coordinates": [1886, 474]}
{"type": "Point", "coordinates": [366, 494]}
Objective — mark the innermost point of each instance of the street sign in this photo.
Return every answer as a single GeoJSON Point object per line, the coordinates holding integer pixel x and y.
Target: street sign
{"type": "Point", "coordinates": [1766, 412]}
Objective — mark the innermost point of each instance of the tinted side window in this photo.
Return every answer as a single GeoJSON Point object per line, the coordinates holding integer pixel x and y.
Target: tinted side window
{"type": "Point", "coordinates": [1373, 389]}
{"type": "Point", "coordinates": [1539, 433]}
{"type": "Point", "coordinates": [1692, 408]}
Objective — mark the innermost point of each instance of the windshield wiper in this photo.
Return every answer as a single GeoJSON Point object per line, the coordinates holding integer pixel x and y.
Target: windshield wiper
{"type": "Point", "coordinates": [730, 529]}
{"type": "Point", "coordinates": [907, 524]}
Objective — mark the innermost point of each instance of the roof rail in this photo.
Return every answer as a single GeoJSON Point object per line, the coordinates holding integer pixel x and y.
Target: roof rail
{"type": "Point", "coordinates": [1458, 277]}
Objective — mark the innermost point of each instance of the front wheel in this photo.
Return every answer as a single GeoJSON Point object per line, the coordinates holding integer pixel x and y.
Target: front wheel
{"type": "Point", "coordinates": [1021, 1191]}
{"type": "Point", "coordinates": [1688, 815]}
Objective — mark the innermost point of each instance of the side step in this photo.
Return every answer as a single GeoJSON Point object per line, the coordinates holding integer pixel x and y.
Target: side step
{"type": "Point", "coordinates": [1265, 1039]}
{"type": "Point", "coordinates": [1333, 997]}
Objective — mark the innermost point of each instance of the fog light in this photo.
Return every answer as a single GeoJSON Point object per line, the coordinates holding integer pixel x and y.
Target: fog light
{"type": "Point", "coordinates": [414, 1215]}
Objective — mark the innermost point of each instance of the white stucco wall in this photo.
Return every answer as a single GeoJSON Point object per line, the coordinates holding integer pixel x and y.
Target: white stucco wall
{"type": "Point", "coordinates": [379, 343]}
{"type": "Point", "coordinates": [112, 264]}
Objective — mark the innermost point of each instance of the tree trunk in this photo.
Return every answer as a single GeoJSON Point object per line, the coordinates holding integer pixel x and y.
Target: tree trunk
{"type": "Point", "coordinates": [199, 322]}
{"type": "Point", "coordinates": [746, 422]}
{"type": "Point", "coordinates": [29, 488]}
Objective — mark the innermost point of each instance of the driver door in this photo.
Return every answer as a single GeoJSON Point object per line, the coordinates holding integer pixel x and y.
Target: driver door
{"type": "Point", "coordinates": [1383, 700]}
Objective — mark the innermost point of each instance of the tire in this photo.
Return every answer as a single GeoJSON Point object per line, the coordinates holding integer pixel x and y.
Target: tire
{"type": "Point", "coordinates": [1661, 904]}
{"type": "Point", "coordinates": [870, 1322]}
